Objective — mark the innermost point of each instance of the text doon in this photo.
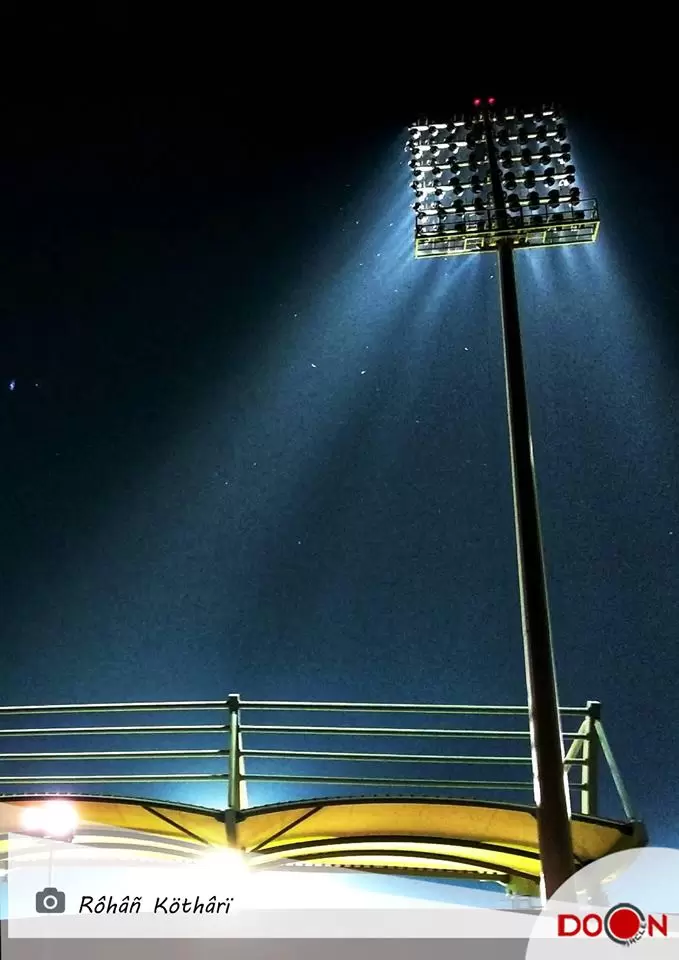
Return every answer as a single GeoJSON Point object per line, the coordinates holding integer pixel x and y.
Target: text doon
{"type": "Point", "coordinates": [592, 925]}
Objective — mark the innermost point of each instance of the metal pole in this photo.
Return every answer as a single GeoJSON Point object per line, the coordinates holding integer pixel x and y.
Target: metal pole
{"type": "Point", "coordinates": [590, 768]}
{"type": "Point", "coordinates": [551, 797]}
{"type": "Point", "coordinates": [233, 706]}
{"type": "Point", "coordinates": [615, 770]}
{"type": "Point", "coordinates": [234, 791]}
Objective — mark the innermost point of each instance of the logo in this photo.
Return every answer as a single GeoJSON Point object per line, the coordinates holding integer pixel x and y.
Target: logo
{"type": "Point", "coordinates": [50, 900]}
{"type": "Point", "coordinates": [624, 923]}
{"type": "Point", "coordinates": [630, 897]}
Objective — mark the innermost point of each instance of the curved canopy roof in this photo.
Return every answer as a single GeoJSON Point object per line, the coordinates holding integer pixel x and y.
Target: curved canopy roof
{"type": "Point", "coordinates": [418, 836]}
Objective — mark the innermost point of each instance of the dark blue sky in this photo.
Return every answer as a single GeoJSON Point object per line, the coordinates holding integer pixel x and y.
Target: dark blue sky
{"type": "Point", "coordinates": [254, 445]}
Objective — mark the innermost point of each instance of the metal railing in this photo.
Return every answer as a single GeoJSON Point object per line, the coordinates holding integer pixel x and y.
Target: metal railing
{"type": "Point", "coordinates": [234, 754]}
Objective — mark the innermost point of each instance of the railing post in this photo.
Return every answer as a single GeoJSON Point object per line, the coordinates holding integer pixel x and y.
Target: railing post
{"type": "Point", "coordinates": [590, 767]}
{"type": "Point", "coordinates": [234, 791]}
{"type": "Point", "coordinates": [233, 706]}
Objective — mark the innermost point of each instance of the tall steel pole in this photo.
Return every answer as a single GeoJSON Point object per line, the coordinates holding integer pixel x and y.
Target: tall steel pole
{"type": "Point", "coordinates": [551, 798]}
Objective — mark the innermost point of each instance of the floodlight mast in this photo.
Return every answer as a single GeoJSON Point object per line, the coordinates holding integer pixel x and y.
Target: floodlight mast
{"type": "Point", "coordinates": [498, 224]}
{"type": "Point", "coordinates": [554, 832]}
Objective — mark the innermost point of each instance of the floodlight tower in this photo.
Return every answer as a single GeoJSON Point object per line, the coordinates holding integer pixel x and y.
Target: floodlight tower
{"type": "Point", "coordinates": [492, 181]}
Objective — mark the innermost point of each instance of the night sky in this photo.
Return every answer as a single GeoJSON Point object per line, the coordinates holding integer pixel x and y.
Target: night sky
{"type": "Point", "coordinates": [251, 444]}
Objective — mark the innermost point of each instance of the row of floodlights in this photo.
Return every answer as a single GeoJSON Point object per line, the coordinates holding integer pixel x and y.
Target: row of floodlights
{"type": "Point", "coordinates": [476, 185]}
{"type": "Point", "coordinates": [507, 158]}
{"type": "Point", "coordinates": [431, 226]}
{"type": "Point", "coordinates": [441, 231]}
{"type": "Point", "coordinates": [476, 181]}
{"type": "Point", "coordinates": [511, 114]}
{"type": "Point", "coordinates": [543, 155]}
{"type": "Point", "coordinates": [429, 136]}
{"type": "Point", "coordinates": [418, 143]}
{"type": "Point", "coordinates": [512, 201]}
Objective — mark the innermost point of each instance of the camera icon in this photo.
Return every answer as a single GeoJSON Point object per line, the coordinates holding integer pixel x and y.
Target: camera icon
{"type": "Point", "coordinates": [50, 900]}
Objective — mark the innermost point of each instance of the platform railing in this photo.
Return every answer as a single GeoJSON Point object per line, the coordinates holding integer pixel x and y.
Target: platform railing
{"type": "Point", "coordinates": [233, 753]}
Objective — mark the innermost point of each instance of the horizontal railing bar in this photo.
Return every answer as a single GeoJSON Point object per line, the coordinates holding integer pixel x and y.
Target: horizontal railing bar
{"type": "Point", "coordinates": [77, 756]}
{"type": "Point", "coordinates": [388, 782]}
{"type": "Point", "coordinates": [398, 708]}
{"type": "Point", "coordinates": [276, 728]}
{"type": "Point", "coordinates": [380, 757]}
{"type": "Point", "coordinates": [157, 705]}
{"type": "Point", "coordinates": [118, 778]}
{"type": "Point", "coordinates": [396, 732]}
{"type": "Point", "coordinates": [152, 705]}
{"type": "Point", "coordinates": [118, 755]}
{"type": "Point", "coordinates": [81, 731]}
{"type": "Point", "coordinates": [265, 778]}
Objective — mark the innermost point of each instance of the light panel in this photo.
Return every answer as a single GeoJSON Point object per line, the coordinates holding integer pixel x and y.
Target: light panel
{"type": "Point", "coordinates": [455, 207]}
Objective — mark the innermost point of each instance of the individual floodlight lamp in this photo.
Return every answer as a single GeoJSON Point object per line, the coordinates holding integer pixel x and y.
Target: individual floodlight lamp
{"type": "Point", "coordinates": [513, 203]}
{"type": "Point", "coordinates": [506, 159]}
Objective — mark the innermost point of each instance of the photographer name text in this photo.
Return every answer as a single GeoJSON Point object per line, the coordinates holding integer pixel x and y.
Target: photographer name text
{"type": "Point", "coordinates": [166, 905]}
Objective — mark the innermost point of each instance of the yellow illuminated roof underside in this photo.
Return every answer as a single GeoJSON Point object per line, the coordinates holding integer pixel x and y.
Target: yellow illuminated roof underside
{"type": "Point", "coordinates": [408, 836]}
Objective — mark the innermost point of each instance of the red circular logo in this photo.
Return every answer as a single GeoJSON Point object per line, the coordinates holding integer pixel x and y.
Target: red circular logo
{"type": "Point", "coordinates": [624, 923]}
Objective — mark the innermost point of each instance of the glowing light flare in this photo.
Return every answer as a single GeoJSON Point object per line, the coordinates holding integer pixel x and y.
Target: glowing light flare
{"type": "Point", "coordinates": [225, 863]}
{"type": "Point", "coordinates": [53, 818]}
